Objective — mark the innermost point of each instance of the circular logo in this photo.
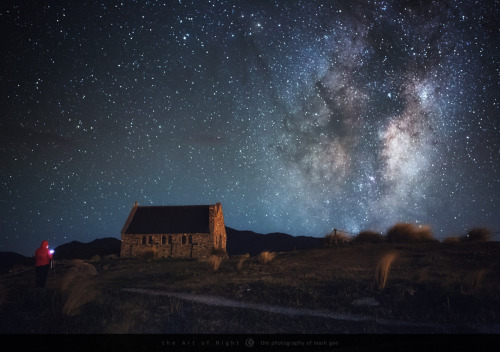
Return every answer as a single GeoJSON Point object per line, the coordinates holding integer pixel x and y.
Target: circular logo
{"type": "Point", "coordinates": [249, 343]}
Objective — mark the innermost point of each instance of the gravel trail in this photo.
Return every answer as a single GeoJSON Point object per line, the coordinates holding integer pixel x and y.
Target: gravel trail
{"type": "Point", "coordinates": [293, 312]}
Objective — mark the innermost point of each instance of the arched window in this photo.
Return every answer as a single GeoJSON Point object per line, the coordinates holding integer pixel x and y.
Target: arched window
{"type": "Point", "coordinates": [150, 240]}
{"type": "Point", "coordinates": [163, 239]}
{"type": "Point", "coordinates": [183, 239]}
{"type": "Point", "coordinates": [169, 239]}
{"type": "Point", "coordinates": [190, 239]}
{"type": "Point", "coordinates": [143, 239]}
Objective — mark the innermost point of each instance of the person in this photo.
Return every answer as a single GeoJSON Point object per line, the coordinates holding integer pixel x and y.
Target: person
{"type": "Point", "coordinates": [43, 256]}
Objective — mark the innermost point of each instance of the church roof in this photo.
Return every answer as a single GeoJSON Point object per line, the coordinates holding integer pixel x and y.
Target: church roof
{"type": "Point", "coordinates": [167, 219]}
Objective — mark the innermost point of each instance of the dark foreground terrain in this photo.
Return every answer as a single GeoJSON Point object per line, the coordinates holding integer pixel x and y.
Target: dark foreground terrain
{"type": "Point", "coordinates": [364, 288]}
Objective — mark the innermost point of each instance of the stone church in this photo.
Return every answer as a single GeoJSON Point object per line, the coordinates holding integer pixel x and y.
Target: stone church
{"type": "Point", "coordinates": [192, 231]}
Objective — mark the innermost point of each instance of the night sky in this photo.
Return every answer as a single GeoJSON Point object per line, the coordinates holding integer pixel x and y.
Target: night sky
{"type": "Point", "coordinates": [298, 116]}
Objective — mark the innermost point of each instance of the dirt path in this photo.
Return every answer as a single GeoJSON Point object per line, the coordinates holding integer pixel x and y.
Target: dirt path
{"type": "Point", "coordinates": [293, 312]}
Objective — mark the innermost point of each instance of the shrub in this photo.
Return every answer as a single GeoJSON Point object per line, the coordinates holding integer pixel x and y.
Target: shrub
{"type": "Point", "coordinates": [382, 269]}
{"type": "Point", "coordinates": [266, 257]}
{"type": "Point", "coordinates": [479, 234]}
{"type": "Point", "coordinates": [214, 262]}
{"type": "Point", "coordinates": [402, 232]}
{"type": "Point", "coordinates": [95, 258]}
{"type": "Point", "coordinates": [147, 253]}
{"type": "Point", "coordinates": [368, 237]}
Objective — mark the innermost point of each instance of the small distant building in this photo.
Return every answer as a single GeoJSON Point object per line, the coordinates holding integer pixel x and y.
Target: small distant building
{"type": "Point", "coordinates": [192, 231]}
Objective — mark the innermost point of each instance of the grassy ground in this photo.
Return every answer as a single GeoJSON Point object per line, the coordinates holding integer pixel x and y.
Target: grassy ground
{"type": "Point", "coordinates": [456, 286]}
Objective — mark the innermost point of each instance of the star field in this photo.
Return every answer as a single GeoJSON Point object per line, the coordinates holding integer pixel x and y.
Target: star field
{"type": "Point", "coordinates": [298, 117]}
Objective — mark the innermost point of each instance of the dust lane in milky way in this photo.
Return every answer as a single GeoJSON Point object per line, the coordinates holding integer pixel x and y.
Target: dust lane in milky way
{"type": "Point", "coordinates": [298, 117]}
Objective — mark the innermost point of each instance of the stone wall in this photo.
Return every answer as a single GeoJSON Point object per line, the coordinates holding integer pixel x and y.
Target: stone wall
{"type": "Point", "coordinates": [217, 227]}
{"type": "Point", "coordinates": [179, 245]}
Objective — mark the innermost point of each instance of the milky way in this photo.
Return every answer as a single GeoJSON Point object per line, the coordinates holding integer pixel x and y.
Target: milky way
{"type": "Point", "coordinates": [298, 118]}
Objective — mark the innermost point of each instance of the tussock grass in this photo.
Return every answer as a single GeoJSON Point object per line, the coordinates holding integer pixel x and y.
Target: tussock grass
{"type": "Point", "coordinates": [472, 282]}
{"type": "Point", "coordinates": [403, 232]}
{"type": "Point", "coordinates": [76, 288]}
{"type": "Point", "coordinates": [266, 257]}
{"type": "Point", "coordinates": [80, 293]}
{"type": "Point", "coordinates": [382, 269]}
{"type": "Point", "coordinates": [176, 306]}
{"type": "Point", "coordinates": [214, 262]}
{"type": "Point", "coordinates": [242, 260]}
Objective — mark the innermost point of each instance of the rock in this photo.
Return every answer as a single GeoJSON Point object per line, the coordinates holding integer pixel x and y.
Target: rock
{"type": "Point", "coordinates": [242, 290]}
{"type": "Point", "coordinates": [365, 301]}
{"type": "Point", "coordinates": [82, 268]}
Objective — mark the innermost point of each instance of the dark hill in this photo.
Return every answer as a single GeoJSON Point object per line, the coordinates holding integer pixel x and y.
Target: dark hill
{"type": "Point", "coordinates": [241, 242]}
{"type": "Point", "coordinates": [9, 259]}
{"type": "Point", "coordinates": [79, 250]}
{"type": "Point", "coordinates": [238, 242]}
